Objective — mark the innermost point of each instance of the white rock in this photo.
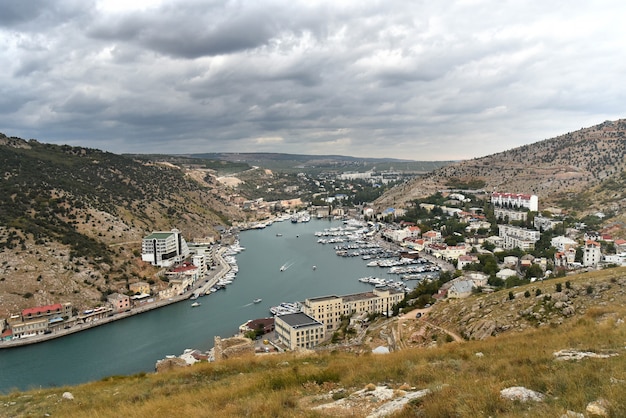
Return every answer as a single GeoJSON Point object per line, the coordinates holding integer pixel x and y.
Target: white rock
{"type": "Point", "coordinates": [68, 396]}
{"type": "Point", "coordinates": [572, 414]}
{"type": "Point", "coordinates": [599, 408]}
{"type": "Point", "coordinates": [519, 393]}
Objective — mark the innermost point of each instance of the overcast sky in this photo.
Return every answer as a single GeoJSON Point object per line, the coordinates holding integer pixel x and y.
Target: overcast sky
{"type": "Point", "coordinates": [423, 80]}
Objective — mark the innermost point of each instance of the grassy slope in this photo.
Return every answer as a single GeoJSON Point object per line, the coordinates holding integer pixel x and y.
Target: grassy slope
{"type": "Point", "coordinates": [464, 384]}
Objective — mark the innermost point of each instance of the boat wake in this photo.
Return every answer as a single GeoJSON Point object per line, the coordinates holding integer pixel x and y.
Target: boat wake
{"type": "Point", "coordinates": [286, 266]}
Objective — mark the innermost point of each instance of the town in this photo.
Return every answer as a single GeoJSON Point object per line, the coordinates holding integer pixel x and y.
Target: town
{"type": "Point", "coordinates": [479, 241]}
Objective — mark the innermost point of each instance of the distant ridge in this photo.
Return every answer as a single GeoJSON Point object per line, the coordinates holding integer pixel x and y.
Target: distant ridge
{"type": "Point", "coordinates": [581, 170]}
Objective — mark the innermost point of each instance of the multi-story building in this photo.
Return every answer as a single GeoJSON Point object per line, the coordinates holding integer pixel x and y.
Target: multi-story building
{"type": "Point", "coordinates": [562, 243]}
{"type": "Point", "coordinates": [298, 330]}
{"type": "Point", "coordinates": [119, 302]}
{"type": "Point", "coordinates": [518, 200]}
{"type": "Point", "coordinates": [591, 253]}
{"type": "Point", "coordinates": [545, 224]}
{"type": "Point", "coordinates": [162, 248]}
{"type": "Point", "coordinates": [329, 309]}
{"type": "Point", "coordinates": [39, 319]}
{"type": "Point", "coordinates": [509, 215]}
{"type": "Point", "coordinates": [29, 328]}
{"type": "Point", "coordinates": [516, 237]}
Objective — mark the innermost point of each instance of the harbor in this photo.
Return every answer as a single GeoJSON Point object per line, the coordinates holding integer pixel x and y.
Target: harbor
{"type": "Point", "coordinates": [134, 344]}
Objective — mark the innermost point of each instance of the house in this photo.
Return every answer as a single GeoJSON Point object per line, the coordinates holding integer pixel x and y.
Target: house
{"type": "Point", "coordinates": [527, 260]}
{"type": "Point", "coordinates": [413, 232]}
{"type": "Point", "coordinates": [506, 273]}
{"type": "Point", "coordinates": [620, 245]}
{"type": "Point", "coordinates": [266, 324]}
{"type": "Point", "coordinates": [298, 330]}
{"type": "Point", "coordinates": [450, 252]}
{"type": "Point", "coordinates": [542, 223]}
{"type": "Point", "coordinates": [465, 260]}
{"type": "Point", "coordinates": [119, 302]}
{"type": "Point", "coordinates": [591, 253]}
{"type": "Point", "coordinates": [479, 279]}
{"type": "Point", "coordinates": [432, 237]}
{"type": "Point", "coordinates": [139, 287]}
{"type": "Point", "coordinates": [460, 289]}
{"type": "Point", "coordinates": [510, 261]}
{"type": "Point", "coordinates": [562, 243]}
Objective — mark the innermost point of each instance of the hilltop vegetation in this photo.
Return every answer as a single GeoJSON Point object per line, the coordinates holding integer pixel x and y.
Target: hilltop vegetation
{"type": "Point", "coordinates": [459, 378]}
{"type": "Point", "coordinates": [69, 214]}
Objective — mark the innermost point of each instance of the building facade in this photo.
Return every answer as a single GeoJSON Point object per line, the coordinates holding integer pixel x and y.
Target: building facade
{"type": "Point", "coordinates": [591, 253]}
{"type": "Point", "coordinates": [298, 330]}
{"type": "Point", "coordinates": [516, 237]}
{"type": "Point", "coordinates": [509, 214]}
{"type": "Point", "coordinates": [162, 248]}
{"type": "Point", "coordinates": [328, 310]}
{"type": "Point", "coordinates": [516, 200]}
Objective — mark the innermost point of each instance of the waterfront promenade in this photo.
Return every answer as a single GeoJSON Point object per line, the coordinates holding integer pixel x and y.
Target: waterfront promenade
{"type": "Point", "coordinates": [199, 288]}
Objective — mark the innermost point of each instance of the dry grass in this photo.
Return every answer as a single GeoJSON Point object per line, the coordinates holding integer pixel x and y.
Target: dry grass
{"type": "Point", "coordinates": [463, 384]}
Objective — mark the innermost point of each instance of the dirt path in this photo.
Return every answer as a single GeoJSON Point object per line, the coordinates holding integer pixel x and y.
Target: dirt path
{"type": "Point", "coordinates": [411, 316]}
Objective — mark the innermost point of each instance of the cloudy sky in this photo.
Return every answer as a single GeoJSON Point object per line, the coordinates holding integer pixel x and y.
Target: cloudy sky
{"type": "Point", "coordinates": [423, 80]}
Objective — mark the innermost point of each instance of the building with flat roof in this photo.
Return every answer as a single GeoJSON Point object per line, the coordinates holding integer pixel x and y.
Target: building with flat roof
{"type": "Point", "coordinates": [298, 330]}
{"type": "Point", "coordinates": [329, 309]}
{"type": "Point", "coordinates": [516, 200]}
{"type": "Point", "coordinates": [164, 248]}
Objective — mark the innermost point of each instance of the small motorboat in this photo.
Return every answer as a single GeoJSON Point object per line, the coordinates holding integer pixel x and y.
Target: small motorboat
{"type": "Point", "coordinates": [195, 304]}
{"type": "Point", "coordinates": [257, 300]}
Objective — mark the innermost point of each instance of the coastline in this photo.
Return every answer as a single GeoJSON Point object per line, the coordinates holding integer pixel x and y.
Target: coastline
{"type": "Point", "coordinates": [199, 288]}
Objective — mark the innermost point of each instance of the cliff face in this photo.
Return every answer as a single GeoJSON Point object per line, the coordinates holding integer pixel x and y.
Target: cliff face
{"type": "Point", "coordinates": [588, 160]}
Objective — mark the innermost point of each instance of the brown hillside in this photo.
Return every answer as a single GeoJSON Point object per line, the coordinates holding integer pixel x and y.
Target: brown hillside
{"type": "Point", "coordinates": [590, 159]}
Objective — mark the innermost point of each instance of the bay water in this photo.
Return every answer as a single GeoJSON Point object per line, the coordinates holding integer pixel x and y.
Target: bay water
{"type": "Point", "coordinates": [134, 344]}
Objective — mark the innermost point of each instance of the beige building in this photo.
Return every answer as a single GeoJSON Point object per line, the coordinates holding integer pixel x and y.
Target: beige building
{"type": "Point", "coordinates": [139, 287]}
{"type": "Point", "coordinates": [329, 309]}
{"type": "Point", "coordinates": [29, 328]}
{"type": "Point", "coordinates": [298, 330]}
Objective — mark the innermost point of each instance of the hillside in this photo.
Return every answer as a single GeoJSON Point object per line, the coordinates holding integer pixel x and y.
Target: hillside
{"type": "Point", "coordinates": [572, 361]}
{"type": "Point", "coordinates": [580, 171]}
{"type": "Point", "coordinates": [72, 218]}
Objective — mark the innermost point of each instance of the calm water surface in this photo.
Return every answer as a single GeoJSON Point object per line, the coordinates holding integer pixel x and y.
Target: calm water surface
{"type": "Point", "coordinates": [135, 344]}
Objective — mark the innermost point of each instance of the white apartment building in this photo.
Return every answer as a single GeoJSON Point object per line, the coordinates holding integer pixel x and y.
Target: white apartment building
{"type": "Point", "coordinates": [162, 248]}
{"type": "Point", "coordinates": [509, 214]}
{"type": "Point", "coordinates": [519, 200]}
{"type": "Point", "coordinates": [329, 309]}
{"type": "Point", "coordinates": [516, 237]}
{"type": "Point", "coordinates": [591, 253]}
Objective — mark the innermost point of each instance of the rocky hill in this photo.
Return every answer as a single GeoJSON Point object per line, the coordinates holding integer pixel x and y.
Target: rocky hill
{"type": "Point", "coordinates": [72, 218]}
{"type": "Point", "coordinates": [580, 171]}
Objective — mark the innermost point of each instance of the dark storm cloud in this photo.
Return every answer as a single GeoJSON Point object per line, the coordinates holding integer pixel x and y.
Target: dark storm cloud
{"type": "Point", "coordinates": [404, 79]}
